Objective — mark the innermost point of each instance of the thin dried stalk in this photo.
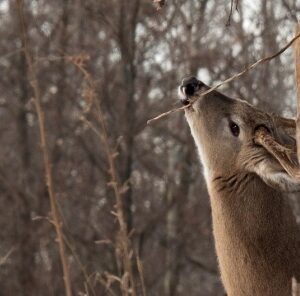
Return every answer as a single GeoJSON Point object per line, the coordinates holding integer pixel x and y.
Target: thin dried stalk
{"type": "Point", "coordinates": [127, 282]}
{"type": "Point", "coordinates": [47, 166]}
{"type": "Point", "coordinates": [141, 272]}
{"type": "Point", "coordinates": [117, 188]}
{"type": "Point", "coordinates": [106, 284]}
{"type": "Point", "coordinates": [230, 14]}
{"type": "Point", "coordinates": [254, 65]}
{"type": "Point", "coordinates": [88, 285]}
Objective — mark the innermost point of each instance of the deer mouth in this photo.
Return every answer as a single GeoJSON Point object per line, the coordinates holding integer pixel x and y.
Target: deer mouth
{"type": "Point", "coordinates": [184, 99]}
{"type": "Point", "coordinates": [184, 95]}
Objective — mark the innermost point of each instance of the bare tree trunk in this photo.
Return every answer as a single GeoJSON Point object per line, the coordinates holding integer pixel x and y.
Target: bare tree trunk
{"type": "Point", "coordinates": [27, 248]}
{"type": "Point", "coordinates": [177, 195]}
{"type": "Point", "coordinates": [171, 226]}
{"type": "Point", "coordinates": [295, 284]}
{"type": "Point", "coordinates": [127, 46]}
{"type": "Point", "coordinates": [297, 78]}
{"type": "Point", "coordinates": [32, 74]}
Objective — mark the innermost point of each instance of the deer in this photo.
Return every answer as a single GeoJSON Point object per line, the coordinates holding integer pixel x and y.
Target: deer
{"type": "Point", "coordinates": [249, 164]}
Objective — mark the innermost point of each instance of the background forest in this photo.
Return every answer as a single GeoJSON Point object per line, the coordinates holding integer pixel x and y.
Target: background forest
{"type": "Point", "coordinates": [125, 59]}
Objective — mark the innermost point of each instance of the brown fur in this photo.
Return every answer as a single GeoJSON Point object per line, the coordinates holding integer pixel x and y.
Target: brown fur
{"type": "Point", "coordinates": [256, 235]}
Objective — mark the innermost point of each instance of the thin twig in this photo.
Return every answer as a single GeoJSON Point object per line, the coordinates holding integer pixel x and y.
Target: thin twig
{"type": "Point", "coordinates": [81, 266]}
{"type": "Point", "coordinates": [124, 240]}
{"type": "Point", "coordinates": [127, 283]}
{"type": "Point", "coordinates": [262, 60]}
{"type": "Point", "coordinates": [106, 285]}
{"type": "Point", "coordinates": [44, 147]}
{"type": "Point", "coordinates": [292, 13]}
{"type": "Point", "coordinates": [3, 259]}
{"type": "Point", "coordinates": [141, 273]}
{"type": "Point", "coordinates": [237, 5]}
{"type": "Point", "coordinates": [230, 14]}
{"type": "Point", "coordinates": [228, 23]}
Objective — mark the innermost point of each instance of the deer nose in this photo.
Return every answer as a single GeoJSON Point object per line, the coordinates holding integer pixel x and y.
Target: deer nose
{"type": "Point", "coordinates": [188, 88]}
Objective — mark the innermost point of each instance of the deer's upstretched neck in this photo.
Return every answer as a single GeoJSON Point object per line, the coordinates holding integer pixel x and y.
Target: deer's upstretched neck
{"type": "Point", "coordinates": [256, 235]}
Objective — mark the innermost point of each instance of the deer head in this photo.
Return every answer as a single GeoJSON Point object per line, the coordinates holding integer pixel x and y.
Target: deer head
{"type": "Point", "coordinates": [224, 130]}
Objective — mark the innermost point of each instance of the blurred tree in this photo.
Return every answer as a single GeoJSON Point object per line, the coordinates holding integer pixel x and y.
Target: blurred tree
{"type": "Point", "coordinates": [137, 56]}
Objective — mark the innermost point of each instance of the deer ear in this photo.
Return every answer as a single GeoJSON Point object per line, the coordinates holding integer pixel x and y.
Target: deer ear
{"type": "Point", "coordinates": [274, 175]}
{"type": "Point", "coordinates": [278, 165]}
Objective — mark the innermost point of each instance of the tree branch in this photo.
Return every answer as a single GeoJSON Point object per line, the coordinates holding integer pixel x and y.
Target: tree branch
{"type": "Point", "coordinates": [246, 70]}
{"type": "Point", "coordinates": [297, 78]}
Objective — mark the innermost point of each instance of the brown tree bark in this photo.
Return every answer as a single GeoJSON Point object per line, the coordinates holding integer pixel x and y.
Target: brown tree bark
{"type": "Point", "coordinates": [177, 195]}
{"type": "Point", "coordinates": [127, 44]}
{"type": "Point", "coordinates": [295, 285]}
{"type": "Point", "coordinates": [26, 245]}
{"type": "Point", "coordinates": [297, 79]}
{"type": "Point", "coordinates": [55, 219]}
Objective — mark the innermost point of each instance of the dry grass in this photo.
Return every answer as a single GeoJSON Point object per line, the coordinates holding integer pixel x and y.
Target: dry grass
{"type": "Point", "coordinates": [123, 245]}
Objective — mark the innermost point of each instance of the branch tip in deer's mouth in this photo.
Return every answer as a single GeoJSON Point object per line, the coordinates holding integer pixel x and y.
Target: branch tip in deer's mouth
{"type": "Point", "coordinates": [183, 95]}
{"type": "Point", "coordinates": [188, 88]}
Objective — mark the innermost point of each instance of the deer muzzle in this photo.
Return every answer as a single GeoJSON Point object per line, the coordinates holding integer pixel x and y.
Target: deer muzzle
{"type": "Point", "coordinates": [189, 86]}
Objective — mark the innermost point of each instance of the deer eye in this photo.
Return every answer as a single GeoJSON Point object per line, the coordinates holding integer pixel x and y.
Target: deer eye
{"type": "Point", "coordinates": [234, 128]}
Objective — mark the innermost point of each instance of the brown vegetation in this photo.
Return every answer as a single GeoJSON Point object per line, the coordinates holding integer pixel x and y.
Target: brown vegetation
{"type": "Point", "coordinates": [102, 69]}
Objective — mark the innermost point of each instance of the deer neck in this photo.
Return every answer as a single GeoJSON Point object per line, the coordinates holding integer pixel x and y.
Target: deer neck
{"type": "Point", "coordinates": [253, 230]}
{"type": "Point", "coordinates": [244, 206]}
